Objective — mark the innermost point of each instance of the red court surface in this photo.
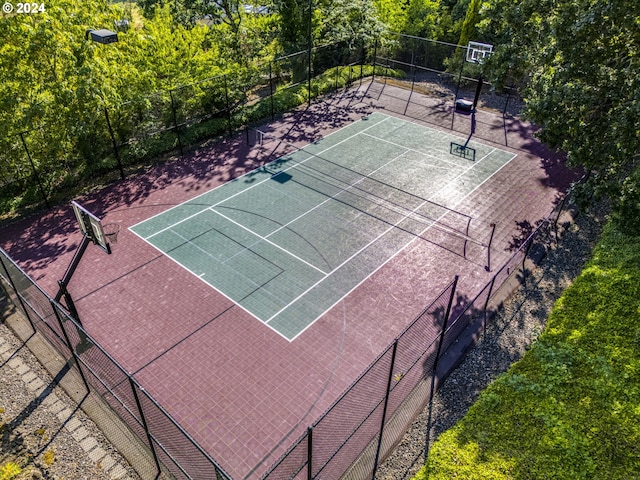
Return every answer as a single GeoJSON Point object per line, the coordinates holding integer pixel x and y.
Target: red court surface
{"type": "Point", "coordinates": [242, 391]}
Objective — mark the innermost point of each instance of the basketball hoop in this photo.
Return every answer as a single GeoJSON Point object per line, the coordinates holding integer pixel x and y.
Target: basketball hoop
{"type": "Point", "coordinates": [111, 231]}
{"type": "Point", "coordinates": [477, 52]}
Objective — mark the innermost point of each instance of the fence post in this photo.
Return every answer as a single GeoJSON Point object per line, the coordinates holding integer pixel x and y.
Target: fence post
{"type": "Point", "coordinates": [175, 123]}
{"type": "Point", "coordinates": [506, 103]}
{"type": "Point", "coordinates": [15, 289]}
{"type": "Point", "coordinates": [114, 143]}
{"type": "Point", "coordinates": [413, 76]}
{"type": "Point", "coordinates": [226, 101]}
{"type": "Point", "coordinates": [453, 112]}
{"type": "Point", "coordinates": [273, 114]}
{"type": "Point", "coordinates": [445, 322]}
{"type": "Point", "coordinates": [435, 362]}
{"type": "Point", "coordinates": [524, 259]}
{"type": "Point", "coordinates": [83, 339]}
{"type": "Point", "coordinates": [375, 58]}
{"type": "Point", "coordinates": [309, 48]}
{"type": "Point", "coordinates": [361, 61]}
{"type": "Point", "coordinates": [144, 424]}
{"type": "Point", "coordinates": [486, 304]}
{"type": "Point", "coordinates": [35, 172]}
{"type": "Point", "coordinates": [384, 408]}
{"type": "Point", "coordinates": [309, 453]}
{"type": "Point", "coordinates": [555, 223]}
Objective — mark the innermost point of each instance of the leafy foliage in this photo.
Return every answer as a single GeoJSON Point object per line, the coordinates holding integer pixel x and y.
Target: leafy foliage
{"type": "Point", "coordinates": [9, 471]}
{"type": "Point", "coordinates": [569, 408]}
{"type": "Point", "coordinates": [578, 60]}
{"type": "Point", "coordinates": [351, 21]}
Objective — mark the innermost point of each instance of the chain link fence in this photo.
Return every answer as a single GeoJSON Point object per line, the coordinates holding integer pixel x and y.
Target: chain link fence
{"type": "Point", "coordinates": [146, 435]}
{"type": "Point", "coordinates": [369, 419]}
{"type": "Point", "coordinates": [350, 438]}
{"type": "Point", "coordinates": [41, 166]}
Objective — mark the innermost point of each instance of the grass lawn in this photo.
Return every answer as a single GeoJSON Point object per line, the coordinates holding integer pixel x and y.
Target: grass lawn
{"type": "Point", "coordinates": [570, 408]}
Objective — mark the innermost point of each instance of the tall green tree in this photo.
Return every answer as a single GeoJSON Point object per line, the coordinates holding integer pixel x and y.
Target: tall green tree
{"type": "Point", "coordinates": [352, 21]}
{"type": "Point", "coordinates": [424, 18]}
{"type": "Point", "coordinates": [579, 60]}
{"type": "Point", "coordinates": [392, 13]}
{"type": "Point", "coordinates": [471, 20]}
{"type": "Point", "coordinates": [293, 23]}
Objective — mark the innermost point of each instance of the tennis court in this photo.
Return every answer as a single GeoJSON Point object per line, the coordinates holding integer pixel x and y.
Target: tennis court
{"type": "Point", "coordinates": [288, 241]}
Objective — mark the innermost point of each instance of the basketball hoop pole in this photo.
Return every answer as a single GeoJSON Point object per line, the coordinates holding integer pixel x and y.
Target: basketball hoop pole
{"type": "Point", "coordinates": [62, 291]}
{"type": "Point", "coordinates": [478, 92]}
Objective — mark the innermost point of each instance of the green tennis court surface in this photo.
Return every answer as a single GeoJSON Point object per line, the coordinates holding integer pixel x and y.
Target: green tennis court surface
{"type": "Point", "coordinates": [288, 241]}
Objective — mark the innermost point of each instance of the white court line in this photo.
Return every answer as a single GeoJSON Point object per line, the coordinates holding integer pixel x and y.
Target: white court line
{"type": "Point", "coordinates": [270, 242]}
{"type": "Point", "coordinates": [206, 252]}
{"type": "Point", "coordinates": [311, 155]}
{"type": "Point", "coordinates": [332, 197]}
{"type": "Point", "coordinates": [326, 275]}
{"type": "Point", "coordinates": [439, 159]}
{"type": "Point", "coordinates": [378, 238]}
{"type": "Point", "coordinates": [398, 251]}
{"type": "Point", "coordinates": [283, 226]}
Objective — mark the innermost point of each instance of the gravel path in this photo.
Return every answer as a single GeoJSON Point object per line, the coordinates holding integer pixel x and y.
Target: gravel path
{"type": "Point", "coordinates": [43, 431]}
{"type": "Point", "coordinates": [508, 335]}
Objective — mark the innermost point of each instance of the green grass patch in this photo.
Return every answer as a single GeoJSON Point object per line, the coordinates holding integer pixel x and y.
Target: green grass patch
{"type": "Point", "coordinates": [570, 408]}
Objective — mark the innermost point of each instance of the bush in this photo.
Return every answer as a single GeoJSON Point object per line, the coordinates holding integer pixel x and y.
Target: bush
{"type": "Point", "coordinates": [626, 213]}
{"type": "Point", "coordinates": [569, 408]}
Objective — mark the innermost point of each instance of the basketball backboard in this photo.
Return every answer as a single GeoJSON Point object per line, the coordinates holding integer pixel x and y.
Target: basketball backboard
{"type": "Point", "coordinates": [477, 52]}
{"type": "Point", "coordinates": [91, 226]}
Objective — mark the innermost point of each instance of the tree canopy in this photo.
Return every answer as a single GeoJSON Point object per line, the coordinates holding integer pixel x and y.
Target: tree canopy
{"type": "Point", "coordinates": [578, 63]}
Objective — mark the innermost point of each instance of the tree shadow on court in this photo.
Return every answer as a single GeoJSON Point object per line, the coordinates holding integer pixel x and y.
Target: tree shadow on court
{"type": "Point", "coordinates": [35, 242]}
{"type": "Point", "coordinates": [524, 229]}
{"type": "Point", "coordinates": [503, 128]}
{"type": "Point", "coordinates": [516, 321]}
{"type": "Point", "coordinates": [457, 390]}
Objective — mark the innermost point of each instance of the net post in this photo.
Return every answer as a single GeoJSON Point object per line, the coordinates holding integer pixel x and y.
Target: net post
{"type": "Point", "coordinates": [467, 234]}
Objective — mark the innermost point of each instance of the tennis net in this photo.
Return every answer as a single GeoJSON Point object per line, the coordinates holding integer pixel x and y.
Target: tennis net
{"type": "Point", "coordinates": [380, 199]}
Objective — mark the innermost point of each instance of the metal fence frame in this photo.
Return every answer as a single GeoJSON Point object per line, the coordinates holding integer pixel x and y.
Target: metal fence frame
{"type": "Point", "coordinates": [351, 438]}
{"type": "Point", "coordinates": [169, 451]}
{"type": "Point", "coordinates": [360, 459]}
{"type": "Point", "coordinates": [168, 122]}
{"type": "Point", "coordinates": [404, 376]}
